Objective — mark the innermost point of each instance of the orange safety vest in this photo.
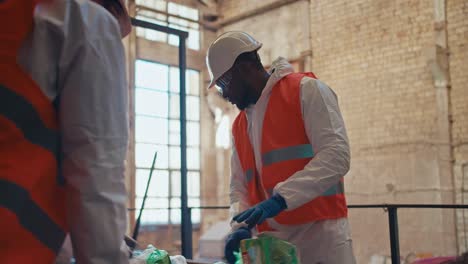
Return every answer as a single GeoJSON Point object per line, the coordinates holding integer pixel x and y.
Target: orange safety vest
{"type": "Point", "coordinates": [285, 150]}
{"type": "Point", "coordinates": [32, 196]}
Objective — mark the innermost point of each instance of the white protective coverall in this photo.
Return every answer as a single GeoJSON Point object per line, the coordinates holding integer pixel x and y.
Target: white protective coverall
{"type": "Point", "coordinates": [75, 54]}
{"type": "Point", "coordinates": [329, 241]}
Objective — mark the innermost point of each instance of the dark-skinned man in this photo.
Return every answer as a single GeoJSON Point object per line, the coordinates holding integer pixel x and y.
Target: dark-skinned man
{"type": "Point", "coordinates": [290, 153]}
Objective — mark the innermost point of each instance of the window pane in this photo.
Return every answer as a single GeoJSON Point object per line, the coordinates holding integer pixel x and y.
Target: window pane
{"type": "Point", "coordinates": [175, 184]}
{"type": "Point", "coordinates": [193, 108]}
{"type": "Point", "coordinates": [157, 203]}
{"type": "Point", "coordinates": [175, 202]}
{"type": "Point", "coordinates": [195, 202]}
{"type": "Point", "coordinates": [144, 154]}
{"type": "Point", "coordinates": [157, 4]}
{"type": "Point", "coordinates": [151, 16]}
{"type": "Point", "coordinates": [193, 82]}
{"type": "Point", "coordinates": [159, 186]}
{"type": "Point", "coordinates": [174, 81]}
{"type": "Point", "coordinates": [174, 105]}
{"type": "Point", "coordinates": [182, 23]}
{"type": "Point", "coordinates": [193, 182]}
{"type": "Point", "coordinates": [193, 40]}
{"type": "Point", "coordinates": [150, 102]}
{"type": "Point", "coordinates": [173, 8]}
{"type": "Point", "coordinates": [173, 39]}
{"type": "Point", "coordinates": [183, 11]}
{"type": "Point", "coordinates": [192, 14]}
{"type": "Point", "coordinates": [174, 138]}
{"type": "Point", "coordinates": [150, 34]}
{"type": "Point", "coordinates": [151, 130]}
{"type": "Point", "coordinates": [155, 217]}
{"type": "Point", "coordinates": [174, 132]}
{"type": "Point", "coordinates": [151, 75]}
{"type": "Point", "coordinates": [174, 126]}
{"type": "Point", "coordinates": [193, 133]}
{"type": "Point", "coordinates": [175, 213]}
{"type": "Point", "coordinates": [193, 158]}
{"type": "Point", "coordinates": [174, 157]}
{"type": "Point", "coordinates": [152, 214]}
{"type": "Point", "coordinates": [155, 35]}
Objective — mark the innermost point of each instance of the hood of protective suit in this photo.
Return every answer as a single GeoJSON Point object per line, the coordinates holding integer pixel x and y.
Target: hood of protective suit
{"type": "Point", "coordinates": [279, 68]}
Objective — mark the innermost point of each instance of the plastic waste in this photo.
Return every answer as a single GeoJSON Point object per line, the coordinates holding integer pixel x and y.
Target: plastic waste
{"type": "Point", "coordinates": [267, 249]}
{"type": "Point", "coordinates": [158, 256]}
{"type": "Point", "coordinates": [178, 259]}
{"type": "Point", "coordinates": [151, 255]}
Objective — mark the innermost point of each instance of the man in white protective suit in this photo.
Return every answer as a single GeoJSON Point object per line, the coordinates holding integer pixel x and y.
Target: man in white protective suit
{"type": "Point", "coordinates": [290, 153]}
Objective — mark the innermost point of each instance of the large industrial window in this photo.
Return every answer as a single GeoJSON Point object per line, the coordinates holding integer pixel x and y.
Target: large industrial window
{"type": "Point", "coordinates": [169, 14]}
{"type": "Point", "coordinates": [157, 128]}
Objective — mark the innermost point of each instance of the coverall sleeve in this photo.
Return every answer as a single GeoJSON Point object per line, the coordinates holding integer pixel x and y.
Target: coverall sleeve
{"type": "Point", "coordinates": [238, 193]}
{"type": "Point", "coordinates": [94, 126]}
{"type": "Point", "coordinates": [326, 131]}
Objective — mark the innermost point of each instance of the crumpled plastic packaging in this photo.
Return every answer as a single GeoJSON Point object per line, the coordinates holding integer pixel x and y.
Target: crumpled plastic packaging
{"type": "Point", "coordinates": [267, 249]}
{"type": "Point", "coordinates": [151, 255]}
{"type": "Point", "coordinates": [178, 259]}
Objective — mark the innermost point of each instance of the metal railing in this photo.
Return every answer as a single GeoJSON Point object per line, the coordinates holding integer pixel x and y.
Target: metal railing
{"type": "Point", "coordinates": [392, 210]}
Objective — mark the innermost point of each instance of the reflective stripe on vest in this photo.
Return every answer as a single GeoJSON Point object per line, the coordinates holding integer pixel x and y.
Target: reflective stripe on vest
{"type": "Point", "coordinates": [285, 150]}
{"type": "Point", "coordinates": [334, 190]}
{"type": "Point", "coordinates": [19, 111]}
{"type": "Point", "coordinates": [288, 153]}
{"type": "Point", "coordinates": [30, 215]}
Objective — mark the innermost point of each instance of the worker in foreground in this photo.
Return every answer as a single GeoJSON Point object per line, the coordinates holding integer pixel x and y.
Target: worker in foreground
{"type": "Point", "coordinates": [63, 130]}
{"type": "Point", "coordinates": [290, 153]}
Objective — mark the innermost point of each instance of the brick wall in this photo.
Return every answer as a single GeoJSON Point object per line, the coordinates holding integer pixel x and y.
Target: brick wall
{"type": "Point", "coordinates": [457, 12]}
{"type": "Point", "coordinates": [374, 54]}
{"type": "Point", "coordinates": [283, 31]}
{"type": "Point", "coordinates": [457, 26]}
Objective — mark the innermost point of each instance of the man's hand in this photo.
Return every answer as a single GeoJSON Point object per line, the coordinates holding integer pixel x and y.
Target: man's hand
{"type": "Point", "coordinates": [233, 243]}
{"type": "Point", "coordinates": [258, 213]}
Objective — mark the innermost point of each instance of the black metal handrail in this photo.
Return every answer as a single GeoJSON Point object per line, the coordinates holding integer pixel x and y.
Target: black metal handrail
{"type": "Point", "coordinates": [392, 220]}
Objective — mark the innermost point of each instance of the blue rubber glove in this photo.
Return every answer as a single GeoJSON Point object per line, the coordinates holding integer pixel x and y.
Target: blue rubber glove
{"type": "Point", "coordinates": [266, 209]}
{"type": "Point", "coordinates": [233, 243]}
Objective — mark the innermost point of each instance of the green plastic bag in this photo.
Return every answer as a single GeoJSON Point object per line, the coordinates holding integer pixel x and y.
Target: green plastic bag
{"type": "Point", "coordinates": [267, 250]}
{"type": "Point", "coordinates": [158, 256]}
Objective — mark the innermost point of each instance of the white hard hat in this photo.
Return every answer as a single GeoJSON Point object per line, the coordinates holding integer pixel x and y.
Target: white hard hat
{"type": "Point", "coordinates": [224, 51]}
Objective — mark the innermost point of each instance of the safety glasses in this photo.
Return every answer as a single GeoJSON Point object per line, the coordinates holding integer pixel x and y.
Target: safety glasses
{"type": "Point", "coordinates": [222, 84]}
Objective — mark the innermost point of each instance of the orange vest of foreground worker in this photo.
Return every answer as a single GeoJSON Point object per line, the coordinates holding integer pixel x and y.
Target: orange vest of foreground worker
{"type": "Point", "coordinates": [32, 198]}
{"type": "Point", "coordinates": [285, 150]}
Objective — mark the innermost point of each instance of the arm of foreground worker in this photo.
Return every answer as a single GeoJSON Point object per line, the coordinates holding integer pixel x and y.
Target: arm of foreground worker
{"type": "Point", "coordinates": [93, 120]}
{"type": "Point", "coordinates": [326, 132]}
{"type": "Point", "coordinates": [238, 193]}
